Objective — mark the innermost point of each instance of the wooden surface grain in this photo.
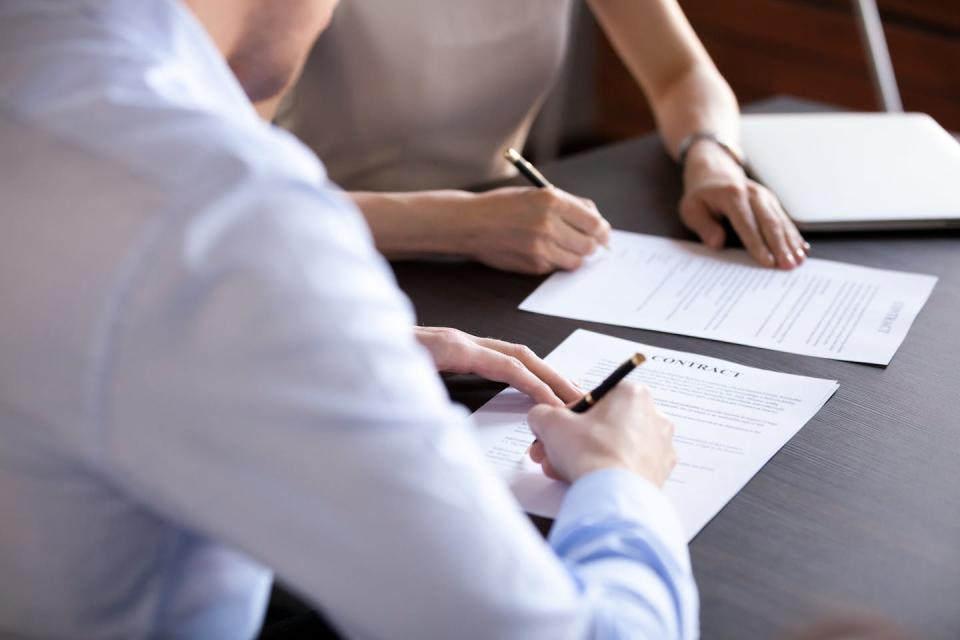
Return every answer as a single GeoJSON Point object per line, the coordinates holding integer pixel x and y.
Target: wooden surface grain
{"type": "Point", "coordinates": [860, 512]}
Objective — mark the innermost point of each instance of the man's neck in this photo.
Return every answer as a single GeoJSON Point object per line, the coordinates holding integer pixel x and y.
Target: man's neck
{"type": "Point", "coordinates": [268, 108]}
{"type": "Point", "coordinates": [224, 20]}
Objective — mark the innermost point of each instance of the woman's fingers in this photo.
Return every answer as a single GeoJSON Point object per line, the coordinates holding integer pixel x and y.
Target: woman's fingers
{"type": "Point", "coordinates": [572, 239]}
{"type": "Point", "coordinates": [701, 220]}
{"type": "Point", "coordinates": [563, 258]}
{"type": "Point", "coordinates": [754, 212]}
{"type": "Point", "coordinates": [773, 229]}
{"type": "Point", "coordinates": [581, 214]}
{"type": "Point", "coordinates": [740, 214]}
{"type": "Point", "coordinates": [800, 246]}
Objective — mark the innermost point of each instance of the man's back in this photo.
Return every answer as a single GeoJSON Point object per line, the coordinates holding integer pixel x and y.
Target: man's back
{"type": "Point", "coordinates": [83, 214]}
{"type": "Point", "coordinates": [207, 369]}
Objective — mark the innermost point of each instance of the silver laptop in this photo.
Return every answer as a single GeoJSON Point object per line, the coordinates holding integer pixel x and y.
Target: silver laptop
{"type": "Point", "coordinates": [857, 171]}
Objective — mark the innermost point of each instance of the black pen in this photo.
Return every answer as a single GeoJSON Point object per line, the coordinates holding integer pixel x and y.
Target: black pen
{"type": "Point", "coordinates": [531, 173]}
{"type": "Point", "coordinates": [524, 167]}
{"type": "Point", "coordinates": [609, 383]}
{"type": "Point", "coordinates": [602, 389]}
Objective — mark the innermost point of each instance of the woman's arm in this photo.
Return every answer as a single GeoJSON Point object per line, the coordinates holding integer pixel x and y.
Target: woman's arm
{"type": "Point", "coordinates": [688, 95]}
{"type": "Point", "coordinates": [514, 228]}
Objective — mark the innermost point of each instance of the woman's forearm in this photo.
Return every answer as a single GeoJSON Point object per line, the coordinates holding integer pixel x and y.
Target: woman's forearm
{"type": "Point", "coordinates": [688, 96]}
{"type": "Point", "coordinates": [512, 228]}
{"type": "Point", "coordinates": [664, 55]}
{"type": "Point", "coordinates": [407, 225]}
{"type": "Point", "coordinates": [699, 100]}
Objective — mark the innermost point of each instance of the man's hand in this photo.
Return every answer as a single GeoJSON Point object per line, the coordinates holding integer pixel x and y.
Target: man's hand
{"type": "Point", "coordinates": [454, 351]}
{"type": "Point", "coordinates": [715, 187]}
{"type": "Point", "coordinates": [623, 430]}
{"type": "Point", "coordinates": [532, 230]}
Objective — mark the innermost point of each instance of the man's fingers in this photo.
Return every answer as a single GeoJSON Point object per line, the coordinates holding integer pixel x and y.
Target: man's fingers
{"type": "Point", "coordinates": [773, 231]}
{"type": "Point", "coordinates": [448, 347]}
{"type": "Point", "coordinates": [699, 219]}
{"type": "Point", "coordinates": [561, 386]}
{"type": "Point", "coordinates": [741, 217]}
{"type": "Point", "coordinates": [493, 365]}
{"type": "Point", "coordinates": [557, 430]}
{"type": "Point", "coordinates": [550, 471]}
{"type": "Point", "coordinates": [517, 365]}
{"type": "Point", "coordinates": [541, 418]}
{"type": "Point", "coordinates": [538, 452]}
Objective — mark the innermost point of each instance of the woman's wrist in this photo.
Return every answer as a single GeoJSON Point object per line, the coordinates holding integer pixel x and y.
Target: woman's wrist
{"type": "Point", "coordinates": [706, 160]}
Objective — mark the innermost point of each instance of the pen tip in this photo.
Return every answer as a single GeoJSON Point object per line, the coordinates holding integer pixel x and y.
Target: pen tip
{"type": "Point", "coordinates": [512, 155]}
{"type": "Point", "coordinates": [638, 359]}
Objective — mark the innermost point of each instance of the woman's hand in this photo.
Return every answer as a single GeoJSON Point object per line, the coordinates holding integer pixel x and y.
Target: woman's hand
{"type": "Point", "coordinates": [715, 187]}
{"type": "Point", "coordinates": [454, 351]}
{"type": "Point", "coordinates": [531, 230]}
{"type": "Point", "coordinates": [521, 229]}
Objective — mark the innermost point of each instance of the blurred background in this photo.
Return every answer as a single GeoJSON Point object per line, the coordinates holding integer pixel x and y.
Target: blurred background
{"type": "Point", "coordinates": [806, 48]}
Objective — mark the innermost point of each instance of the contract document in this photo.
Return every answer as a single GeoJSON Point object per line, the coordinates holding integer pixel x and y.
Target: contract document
{"type": "Point", "coordinates": [823, 308]}
{"type": "Point", "coordinates": [730, 420]}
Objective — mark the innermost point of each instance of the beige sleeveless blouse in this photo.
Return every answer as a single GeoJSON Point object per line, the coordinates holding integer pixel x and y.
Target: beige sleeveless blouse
{"type": "Point", "coordinates": [425, 94]}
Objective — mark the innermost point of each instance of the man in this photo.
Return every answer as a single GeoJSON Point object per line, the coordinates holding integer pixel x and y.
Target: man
{"type": "Point", "coordinates": [208, 374]}
{"type": "Point", "coordinates": [409, 101]}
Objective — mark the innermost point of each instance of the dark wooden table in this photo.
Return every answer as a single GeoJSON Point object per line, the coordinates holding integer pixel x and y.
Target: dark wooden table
{"type": "Point", "coordinates": [860, 512]}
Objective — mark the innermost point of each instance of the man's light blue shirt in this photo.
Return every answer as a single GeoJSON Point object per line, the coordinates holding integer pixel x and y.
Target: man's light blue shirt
{"type": "Point", "coordinates": [207, 374]}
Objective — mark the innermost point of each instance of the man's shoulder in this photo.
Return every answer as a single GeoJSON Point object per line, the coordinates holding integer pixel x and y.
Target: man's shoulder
{"type": "Point", "coordinates": [138, 87]}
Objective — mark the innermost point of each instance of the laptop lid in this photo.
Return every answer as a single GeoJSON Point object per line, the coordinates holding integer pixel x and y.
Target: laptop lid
{"type": "Point", "coordinates": [857, 170]}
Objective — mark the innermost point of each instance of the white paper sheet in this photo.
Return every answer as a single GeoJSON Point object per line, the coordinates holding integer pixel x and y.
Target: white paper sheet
{"type": "Point", "coordinates": [824, 308]}
{"type": "Point", "coordinates": [730, 420]}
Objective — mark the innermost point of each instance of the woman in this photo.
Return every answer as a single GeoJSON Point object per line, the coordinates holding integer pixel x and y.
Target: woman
{"type": "Point", "coordinates": [408, 100]}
